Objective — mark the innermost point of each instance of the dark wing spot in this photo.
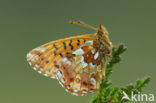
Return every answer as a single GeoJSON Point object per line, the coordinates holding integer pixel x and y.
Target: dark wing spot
{"type": "Point", "coordinates": [71, 79]}
{"type": "Point", "coordinates": [84, 90]}
{"type": "Point", "coordinates": [70, 44]}
{"type": "Point", "coordinates": [63, 67]}
{"type": "Point", "coordinates": [70, 56]}
{"type": "Point", "coordinates": [54, 61]}
{"type": "Point", "coordinates": [91, 89]}
{"type": "Point", "coordinates": [71, 47]}
{"type": "Point", "coordinates": [55, 46]}
{"type": "Point", "coordinates": [64, 44]}
{"type": "Point", "coordinates": [55, 53]}
{"type": "Point", "coordinates": [68, 86]}
{"type": "Point", "coordinates": [57, 66]}
{"type": "Point", "coordinates": [78, 40]}
{"type": "Point", "coordinates": [85, 83]}
{"type": "Point", "coordinates": [68, 53]}
{"type": "Point", "coordinates": [61, 72]}
{"type": "Point", "coordinates": [61, 54]}
{"type": "Point", "coordinates": [47, 61]}
{"type": "Point", "coordinates": [91, 84]}
{"type": "Point", "coordinates": [67, 73]}
{"type": "Point", "coordinates": [78, 44]}
{"type": "Point", "coordinates": [42, 58]}
{"type": "Point", "coordinates": [84, 41]}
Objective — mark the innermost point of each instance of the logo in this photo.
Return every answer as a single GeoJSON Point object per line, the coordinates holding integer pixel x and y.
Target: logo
{"type": "Point", "coordinates": [139, 97]}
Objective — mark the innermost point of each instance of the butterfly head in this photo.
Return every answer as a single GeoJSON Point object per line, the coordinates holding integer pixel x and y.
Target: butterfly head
{"type": "Point", "coordinates": [102, 34]}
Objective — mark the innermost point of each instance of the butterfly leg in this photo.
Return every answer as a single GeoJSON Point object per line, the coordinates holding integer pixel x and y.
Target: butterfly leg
{"type": "Point", "coordinates": [103, 73]}
{"type": "Point", "coordinates": [81, 23]}
{"type": "Point", "coordinates": [103, 69]}
{"type": "Point", "coordinates": [108, 55]}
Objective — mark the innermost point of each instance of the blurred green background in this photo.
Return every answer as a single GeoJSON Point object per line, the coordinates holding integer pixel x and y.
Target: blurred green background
{"type": "Point", "coordinates": [26, 24]}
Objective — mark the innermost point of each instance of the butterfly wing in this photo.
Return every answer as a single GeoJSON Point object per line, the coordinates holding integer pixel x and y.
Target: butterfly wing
{"type": "Point", "coordinates": [75, 62]}
{"type": "Point", "coordinates": [82, 71]}
{"type": "Point", "coordinates": [44, 58]}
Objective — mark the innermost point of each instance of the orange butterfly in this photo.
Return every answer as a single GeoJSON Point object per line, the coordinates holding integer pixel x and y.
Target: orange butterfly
{"type": "Point", "coordinates": [78, 62]}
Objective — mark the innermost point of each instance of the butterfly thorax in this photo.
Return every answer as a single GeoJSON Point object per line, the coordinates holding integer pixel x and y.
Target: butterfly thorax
{"type": "Point", "coordinates": [103, 42]}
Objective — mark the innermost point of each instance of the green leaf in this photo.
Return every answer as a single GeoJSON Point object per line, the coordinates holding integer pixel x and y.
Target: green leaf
{"type": "Point", "coordinates": [108, 94]}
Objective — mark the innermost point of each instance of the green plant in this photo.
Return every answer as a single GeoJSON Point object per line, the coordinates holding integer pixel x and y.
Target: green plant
{"type": "Point", "coordinates": [109, 94]}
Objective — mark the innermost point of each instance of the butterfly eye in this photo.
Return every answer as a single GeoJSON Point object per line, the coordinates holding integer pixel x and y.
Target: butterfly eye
{"type": "Point", "coordinates": [100, 32]}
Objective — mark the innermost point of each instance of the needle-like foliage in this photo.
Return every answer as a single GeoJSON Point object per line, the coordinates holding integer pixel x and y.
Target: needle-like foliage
{"type": "Point", "coordinates": [109, 94]}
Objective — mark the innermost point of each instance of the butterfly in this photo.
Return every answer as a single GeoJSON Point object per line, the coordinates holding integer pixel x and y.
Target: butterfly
{"type": "Point", "coordinates": [77, 62]}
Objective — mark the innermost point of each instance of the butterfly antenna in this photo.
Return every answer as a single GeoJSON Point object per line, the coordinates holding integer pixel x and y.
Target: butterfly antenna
{"type": "Point", "coordinates": [81, 23]}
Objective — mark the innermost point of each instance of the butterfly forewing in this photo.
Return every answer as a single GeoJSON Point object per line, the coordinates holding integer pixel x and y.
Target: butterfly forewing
{"type": "Point", "coordinates": [44, 58]}
{"type": "Point", "coordinates": [75, 62]}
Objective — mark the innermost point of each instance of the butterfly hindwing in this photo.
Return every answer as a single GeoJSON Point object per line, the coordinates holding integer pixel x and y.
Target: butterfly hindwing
{"type": "Point", "coordinates": [81, 71]}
